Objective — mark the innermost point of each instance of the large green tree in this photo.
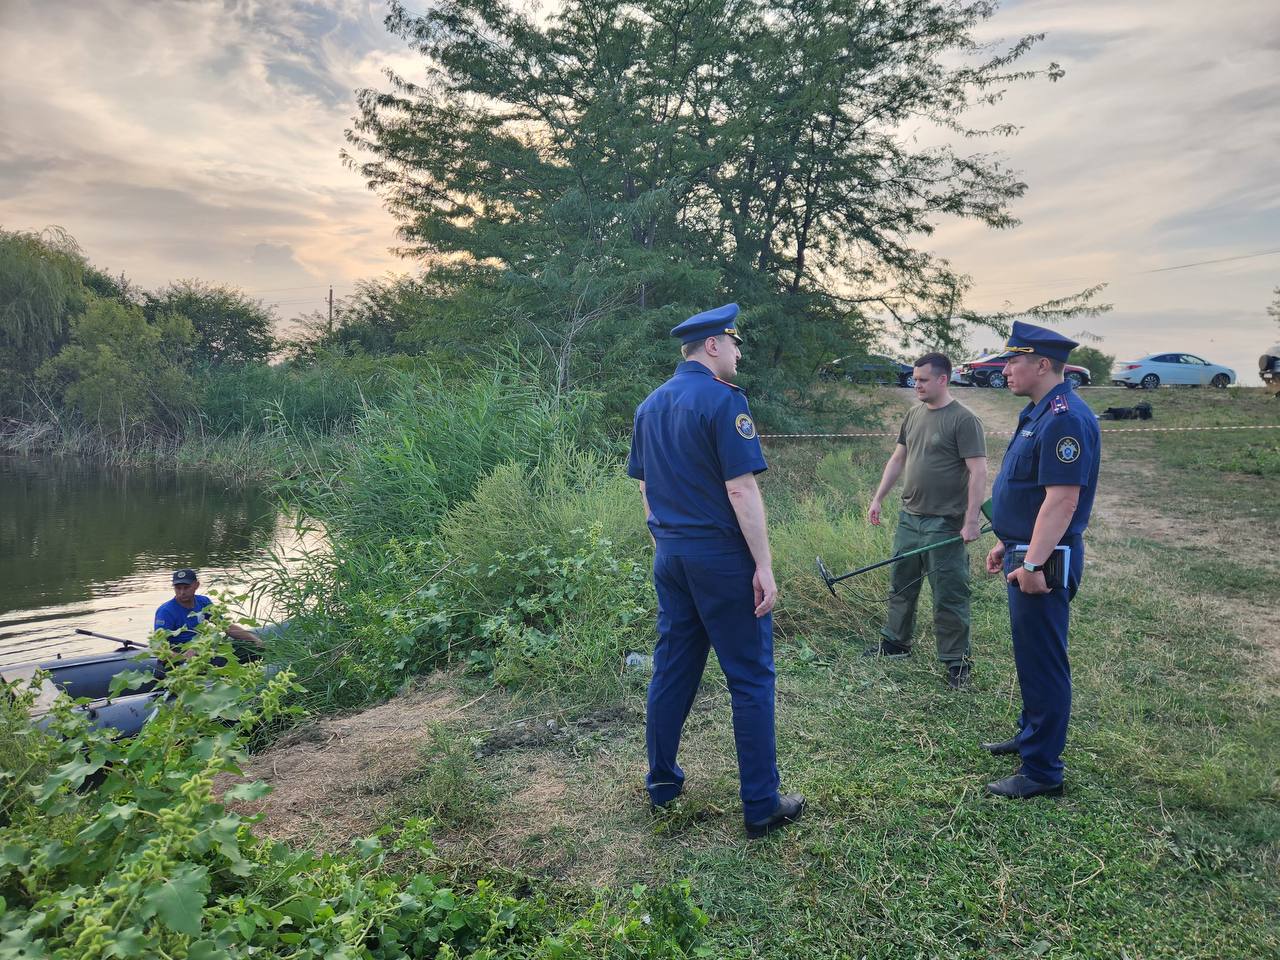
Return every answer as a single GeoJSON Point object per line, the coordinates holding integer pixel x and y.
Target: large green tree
{"type": "Point", "coordinates": [619, 165]}
{"type": "Point", "coordinates": [121, 371]}
{"type": "Point", "coordinates": [41, 290]}
{"type": "Point", "coordinates": [230, 327]}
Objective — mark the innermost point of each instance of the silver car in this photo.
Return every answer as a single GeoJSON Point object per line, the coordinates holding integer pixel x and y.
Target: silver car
{"type": "Point", "coordinates": [1171, 369]}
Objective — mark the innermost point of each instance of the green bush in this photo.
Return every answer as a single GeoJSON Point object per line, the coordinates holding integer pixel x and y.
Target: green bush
{"type": "Point", "coordinates": [331, 393]}
{"type": "Point", "coordinates": [543, 573]}
{"type": "Point", "coordinates": [120, 848]}
{"type": "Point", "coordinates": [120, 371]}
{"type": "Point", "coordinates": [425, 449]}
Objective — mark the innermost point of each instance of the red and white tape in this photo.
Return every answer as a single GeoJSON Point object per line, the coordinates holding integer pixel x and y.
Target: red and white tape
{"type": "Point", "coordinates": [1005, 433]}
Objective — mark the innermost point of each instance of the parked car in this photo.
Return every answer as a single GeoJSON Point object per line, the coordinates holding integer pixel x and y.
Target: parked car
{"type": "Point", "coordinates": [1171, 369]}
{"type": "Point", "coordinates": [985, 371]}
{"type": "Point", "coordinates": [869, 368]}
{"type": "Point", "coordinates": [1269, 368]}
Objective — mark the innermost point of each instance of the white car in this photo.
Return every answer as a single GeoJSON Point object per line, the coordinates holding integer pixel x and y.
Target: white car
{"type": "Point", "coordinates": [1171, 369]}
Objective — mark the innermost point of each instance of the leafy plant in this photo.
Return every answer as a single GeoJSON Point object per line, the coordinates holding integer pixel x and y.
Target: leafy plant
{"type": "Point", "coordinates": [122, 849]}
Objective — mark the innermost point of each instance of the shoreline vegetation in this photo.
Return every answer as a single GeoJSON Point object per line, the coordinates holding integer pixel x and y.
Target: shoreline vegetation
{"type": "Point", "coordinates": [459, 435]}
{"type": "Point", "coordinates": [482, 534]}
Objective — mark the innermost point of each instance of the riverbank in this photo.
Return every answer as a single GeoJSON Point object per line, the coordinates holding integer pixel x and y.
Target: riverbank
{"type": "Point", "coordinates": [1167, 843]}
{"type": "Point", "coordinates": [237, 458]}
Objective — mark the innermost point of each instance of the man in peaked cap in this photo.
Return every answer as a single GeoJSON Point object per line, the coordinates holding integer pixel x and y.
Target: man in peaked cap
{"type": "Point", "coordinates": [1041, 503]}
{"type": "Point", "coordinates": [696, 454]}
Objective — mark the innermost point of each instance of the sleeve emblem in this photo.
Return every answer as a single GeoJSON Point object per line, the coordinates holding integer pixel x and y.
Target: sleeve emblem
{"type": "Point", "coordinates": [1068, 449]}
{"type": "Point", "coordinates": [746, 429]}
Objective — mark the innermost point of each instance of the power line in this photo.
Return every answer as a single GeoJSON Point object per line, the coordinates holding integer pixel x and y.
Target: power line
{"type": "Point", "coordinates": [1132, 273]}
{"type": "Point", "coordinates": [1201, 263]}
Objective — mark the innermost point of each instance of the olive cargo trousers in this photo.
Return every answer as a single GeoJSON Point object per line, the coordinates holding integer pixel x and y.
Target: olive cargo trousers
{"type": "Point", "coordinates": [948, 571]}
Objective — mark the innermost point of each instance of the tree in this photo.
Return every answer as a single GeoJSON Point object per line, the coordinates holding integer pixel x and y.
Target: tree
{"type": "Point", "coordinates": [1273, 311]}
{"type": "Point", "coordinates": [230, 328]}
{"type": "Point", "coordinates": [616, 167]}
{"type": "Point", "coordinates": [120, 370]}
{"type": "Point", "coordinates": [1098, 364]}
{"type": "Point", "coordinates": [41, 290]}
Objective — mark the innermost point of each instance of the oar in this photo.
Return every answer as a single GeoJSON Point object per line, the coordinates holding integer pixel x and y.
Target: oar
{"type": "Point", "coordinates": [129, 644]}
{"type": "Point", "coordinates": [831, 581]}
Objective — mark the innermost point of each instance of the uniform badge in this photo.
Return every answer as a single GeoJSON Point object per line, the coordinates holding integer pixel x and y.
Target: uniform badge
{"type": "Point", "coordinates": [1059, 404]}
{"type": "Point", "coordinates": [746, 429]}
{"type": "Point", "coordinates": [1068, 449]}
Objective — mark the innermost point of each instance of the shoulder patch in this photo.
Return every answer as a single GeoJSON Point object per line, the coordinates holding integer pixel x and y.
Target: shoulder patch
{"type": "Point", "coordinates": [1059, 404]}
{"type": "Point", "coordinates": [746, 429]}
{"type": "Point", "coordinates": [1068, 449]}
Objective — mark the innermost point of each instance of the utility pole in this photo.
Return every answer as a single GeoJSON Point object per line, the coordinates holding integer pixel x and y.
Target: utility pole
{"type": "Point", "coordinates": [331, 308]}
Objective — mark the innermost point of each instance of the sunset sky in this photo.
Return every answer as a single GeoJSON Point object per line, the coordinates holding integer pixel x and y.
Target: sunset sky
{"type": "Point", "coordinates": [185, 138]}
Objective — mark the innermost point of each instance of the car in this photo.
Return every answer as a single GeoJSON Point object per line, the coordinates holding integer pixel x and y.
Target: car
{"type": "Point", "coordinates": [869, 368]}
{"type": "Point", "coordinates": [986, 371]}
{"type": "Point", "coordinates": [1269, 368]}
{"type": "Point", "coordinates": [1171, 369]}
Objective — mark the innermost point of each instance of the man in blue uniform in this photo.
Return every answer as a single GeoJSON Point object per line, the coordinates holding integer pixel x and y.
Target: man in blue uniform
{"type": "Point", "coordinates": [185, 612]}
{"type": "Point", "coordinates": [696, 454]}
{"type": "Point", "coordinates": [1041, 503]}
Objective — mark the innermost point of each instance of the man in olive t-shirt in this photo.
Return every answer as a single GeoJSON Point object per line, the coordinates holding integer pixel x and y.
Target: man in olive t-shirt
{"type": "Point", "coordinates": [942, 450]}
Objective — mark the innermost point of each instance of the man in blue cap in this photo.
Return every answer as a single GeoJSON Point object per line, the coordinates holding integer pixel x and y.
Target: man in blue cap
{"type": "Point", "coordinates": [181, 615]}
{"type": "Point", "coordinates": [696, 454]}
{"type": "Point", "coordinates": [1040, 507]}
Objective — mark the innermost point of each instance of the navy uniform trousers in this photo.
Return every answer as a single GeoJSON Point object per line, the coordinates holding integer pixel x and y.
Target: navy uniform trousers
{"type": "Point", "coordinates": [1039, 624]}
{"type": "Point", "coordinates": [705, 602]}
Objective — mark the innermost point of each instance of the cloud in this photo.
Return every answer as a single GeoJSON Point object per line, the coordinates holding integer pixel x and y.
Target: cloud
{"type": "Point", "coordinates": [1157, 148]}
{"type": "Point", "coordinates": [179, 138]}
{"type": "Point", "coordinates": [195, 138]}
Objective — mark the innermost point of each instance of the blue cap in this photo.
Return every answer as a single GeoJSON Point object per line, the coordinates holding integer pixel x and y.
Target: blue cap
{"type": "Point", "coordinates": [1028, 338]}
{"type": "Point", "coordinates": [709, 323]}
{"type": "Point", "coordinates": [184, 576]}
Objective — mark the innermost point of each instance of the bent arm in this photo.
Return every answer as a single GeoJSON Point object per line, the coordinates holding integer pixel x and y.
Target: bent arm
{"type": "Point", "coordinates": [237, 632]}
{"type": "Point", "coordinates": [1052, 521]}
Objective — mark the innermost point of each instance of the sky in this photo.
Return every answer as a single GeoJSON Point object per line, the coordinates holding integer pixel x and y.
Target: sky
{"type": "Point", "coordinates": [200, 138]}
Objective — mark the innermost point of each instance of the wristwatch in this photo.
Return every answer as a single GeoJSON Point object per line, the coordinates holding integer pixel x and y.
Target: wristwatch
{"type": "Point", "coordinates": [1030, 567]}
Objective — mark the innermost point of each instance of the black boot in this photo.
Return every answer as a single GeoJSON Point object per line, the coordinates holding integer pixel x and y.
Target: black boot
{"type": "Point", "coordinates": [1021, 787]}
{"type": "Point", "coordinates": [790, 807]}
{"type": "Point", "coordinates": [1003, 747]}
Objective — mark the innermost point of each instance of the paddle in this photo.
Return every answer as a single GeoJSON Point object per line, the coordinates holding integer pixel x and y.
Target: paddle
{"type": "Point", "coordinates": [128, 644]}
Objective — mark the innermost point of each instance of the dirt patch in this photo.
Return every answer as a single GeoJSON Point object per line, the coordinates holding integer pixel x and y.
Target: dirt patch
{"type": "Point", "coordinates": [333, 780]}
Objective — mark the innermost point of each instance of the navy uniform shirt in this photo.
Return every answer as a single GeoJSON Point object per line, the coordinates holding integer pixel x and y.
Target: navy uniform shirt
{"type": "Point", "coordinates": [1057, 442]}
{"type": "Point", "coordinates": [691, 435]}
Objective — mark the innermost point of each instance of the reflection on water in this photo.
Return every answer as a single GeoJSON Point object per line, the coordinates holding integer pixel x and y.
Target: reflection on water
{"type": "Point", "coordinates": [87, 546]}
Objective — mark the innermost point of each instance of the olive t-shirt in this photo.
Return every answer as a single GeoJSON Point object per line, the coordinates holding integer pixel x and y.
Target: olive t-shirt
{"type": "Point", "coordinates": [936, 480]}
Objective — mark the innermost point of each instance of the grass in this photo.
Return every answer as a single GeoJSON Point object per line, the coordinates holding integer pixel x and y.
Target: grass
{"type": "Point", "coordinates": [1167, 843]}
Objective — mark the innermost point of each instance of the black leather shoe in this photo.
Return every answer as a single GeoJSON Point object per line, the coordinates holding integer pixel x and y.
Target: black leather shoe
{"type": "Point", "coordinates": [1001, 748]}
{"type": "Point", "coordinates": [958, 676]}
{"type": "Point", "coordinates": [790, 807]}
{"type": "Point", "coordinates": [1021, 787]}
{"type": "Point", "coordinates": [888, 650]}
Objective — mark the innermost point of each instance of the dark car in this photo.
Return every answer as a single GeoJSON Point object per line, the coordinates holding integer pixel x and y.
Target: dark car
{"type": "Point", "coordinates": [987, 372]}
{"type": "Point", "coordinates": [869, 368]}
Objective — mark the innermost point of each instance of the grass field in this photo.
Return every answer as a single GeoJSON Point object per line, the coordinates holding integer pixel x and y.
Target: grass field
{"type": "Point", "coordinates": [1167, 843]}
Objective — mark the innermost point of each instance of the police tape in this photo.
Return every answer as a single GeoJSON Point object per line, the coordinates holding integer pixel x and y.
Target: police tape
{"type": "Point", "coordinates": [1003, 433]}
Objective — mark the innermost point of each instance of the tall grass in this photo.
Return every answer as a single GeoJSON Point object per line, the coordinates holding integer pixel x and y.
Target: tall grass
{"type": "Point", "coordinates": [427, 446]}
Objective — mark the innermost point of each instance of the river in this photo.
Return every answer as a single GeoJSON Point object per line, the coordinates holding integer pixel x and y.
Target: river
{"type": "Point", "coordinates": [82, 545]}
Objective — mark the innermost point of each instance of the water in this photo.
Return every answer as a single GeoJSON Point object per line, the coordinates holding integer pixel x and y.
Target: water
{"type": "Point", "coordinates": [83, 545]}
